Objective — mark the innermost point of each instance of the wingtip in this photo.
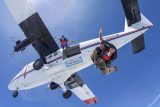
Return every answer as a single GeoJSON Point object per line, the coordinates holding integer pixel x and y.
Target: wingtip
{"type": "Point", "coordinates": [91, 100]}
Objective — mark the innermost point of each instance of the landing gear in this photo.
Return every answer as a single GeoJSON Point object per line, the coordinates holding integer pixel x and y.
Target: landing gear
{"type": "Point", "coordinates": [38, 64]}
{"type": "Point", "coordinates": [53, 86]}
{"type": "Point", "coordinates": [67, 94]}
{"type": "Point", "coordinates": [15, 94]}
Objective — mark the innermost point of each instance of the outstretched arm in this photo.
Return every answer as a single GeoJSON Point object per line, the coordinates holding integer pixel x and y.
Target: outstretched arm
{"type": "Point", "coordinates": [100, 34]}
{"type": "Point", "coordinates": [71, 41]}
{"type": "Point", "coordinates": [58, 38]}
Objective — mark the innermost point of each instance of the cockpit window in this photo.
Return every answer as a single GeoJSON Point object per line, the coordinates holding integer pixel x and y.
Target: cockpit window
{"type": "Point", "coordinates": [71, 51]}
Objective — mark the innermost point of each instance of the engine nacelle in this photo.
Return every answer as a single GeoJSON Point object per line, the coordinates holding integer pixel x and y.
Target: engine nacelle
{"type": "Point", "coordinates": [21, 45]}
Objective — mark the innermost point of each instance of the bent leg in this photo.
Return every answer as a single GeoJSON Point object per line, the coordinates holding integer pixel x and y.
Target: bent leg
{"type": "Point", "coordinates": [107, 68]}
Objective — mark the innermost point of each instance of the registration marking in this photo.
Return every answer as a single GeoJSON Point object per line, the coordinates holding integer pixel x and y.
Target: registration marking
{"type": "Point", "coordinates": [74, 61]}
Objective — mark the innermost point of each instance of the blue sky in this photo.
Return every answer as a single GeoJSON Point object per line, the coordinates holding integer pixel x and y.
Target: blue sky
{"type": "Point", "coordinates": [136, 84]}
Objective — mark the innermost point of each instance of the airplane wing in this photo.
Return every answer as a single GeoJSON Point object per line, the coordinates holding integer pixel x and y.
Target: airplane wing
{"type": "Point", "coordinates": [33, 27]}
{"type": "Point", "coordinates": [80, 89]}
{"type": "Point", "coordinates": [132, 13]}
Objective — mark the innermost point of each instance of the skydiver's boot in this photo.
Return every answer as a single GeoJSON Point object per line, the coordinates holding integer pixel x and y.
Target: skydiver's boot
{"type": "Point", "coordinates": [104, 70]}
{"type": "Point", "coordinates": [108, 70]}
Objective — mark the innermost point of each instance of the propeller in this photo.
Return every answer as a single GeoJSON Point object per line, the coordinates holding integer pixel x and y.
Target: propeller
{"type": "Point", "coordinates": [15, 42]}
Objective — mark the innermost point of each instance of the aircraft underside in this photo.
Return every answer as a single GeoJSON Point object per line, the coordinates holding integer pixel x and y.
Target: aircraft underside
{"type": "Point", "coordinates": [59, 67]}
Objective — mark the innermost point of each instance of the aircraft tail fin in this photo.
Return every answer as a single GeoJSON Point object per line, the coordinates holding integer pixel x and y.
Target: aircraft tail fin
{"type": "Point", "coordinates": [142, 23]}
{"type": "Point", "coordinates": [135, 20]}
{"type": "Point", "coordinates": [138, 44]}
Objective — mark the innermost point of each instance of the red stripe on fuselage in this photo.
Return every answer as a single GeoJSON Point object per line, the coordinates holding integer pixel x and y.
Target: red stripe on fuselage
{"type": "Point", "coordinates": [25, 72]}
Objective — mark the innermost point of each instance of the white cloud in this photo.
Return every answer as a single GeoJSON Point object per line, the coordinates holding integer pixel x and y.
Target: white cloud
{"type": "Point", "coordinates": [154, 101]}
{"type": "Point", "coordinates": [37, 1]}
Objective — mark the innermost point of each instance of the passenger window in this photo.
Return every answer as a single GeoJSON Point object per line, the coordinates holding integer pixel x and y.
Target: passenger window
{"type": "Point", "coordinates": [50, 56]}
{"type": "Point", "coordinates": [55, 54]}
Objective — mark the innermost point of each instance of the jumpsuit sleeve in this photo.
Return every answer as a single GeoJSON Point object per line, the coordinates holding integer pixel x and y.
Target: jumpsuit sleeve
{"type": "Point", "coordinates": [96, 54]}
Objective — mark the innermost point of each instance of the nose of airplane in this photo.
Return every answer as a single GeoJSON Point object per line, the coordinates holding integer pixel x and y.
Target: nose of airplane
{"type": "Point", "coordinates": [15, 82]}
{"type": "Point", "coordinates": [13, 85]}
{"type": "Point", "coordinates": [10, 86]}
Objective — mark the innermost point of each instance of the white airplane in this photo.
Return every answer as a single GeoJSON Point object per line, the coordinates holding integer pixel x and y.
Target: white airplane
{"type": "Point", "coordinates": [59, 67]}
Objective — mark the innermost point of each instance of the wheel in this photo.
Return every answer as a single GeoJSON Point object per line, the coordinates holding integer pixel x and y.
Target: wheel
{"type": "Point", "coordinates": [53, 86]}
{"type": "Point", "coordinates": [67, 94]}
{"type": "Point", "coordinates": [38, 64]}
{"type": "Point", "coordinates": [15, 94]}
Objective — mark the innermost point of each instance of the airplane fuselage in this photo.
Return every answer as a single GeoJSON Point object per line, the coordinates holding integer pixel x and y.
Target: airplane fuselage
{"type": "Point", "coordinates": [59, 67]}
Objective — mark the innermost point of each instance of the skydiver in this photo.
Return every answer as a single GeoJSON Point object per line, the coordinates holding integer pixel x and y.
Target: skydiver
{"type": "Point", "coordinates": [104, 55]}
{"type": "Point", "coordinates": [64, 41]}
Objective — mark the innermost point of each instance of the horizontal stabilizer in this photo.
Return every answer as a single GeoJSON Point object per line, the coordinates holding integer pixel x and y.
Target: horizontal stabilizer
{"type": "Point", "coordinates": [134, 19]}
{"type": "Point", "coordinates": [138, 44]}
{"type": "Point", "coordinates": [131, 10]}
